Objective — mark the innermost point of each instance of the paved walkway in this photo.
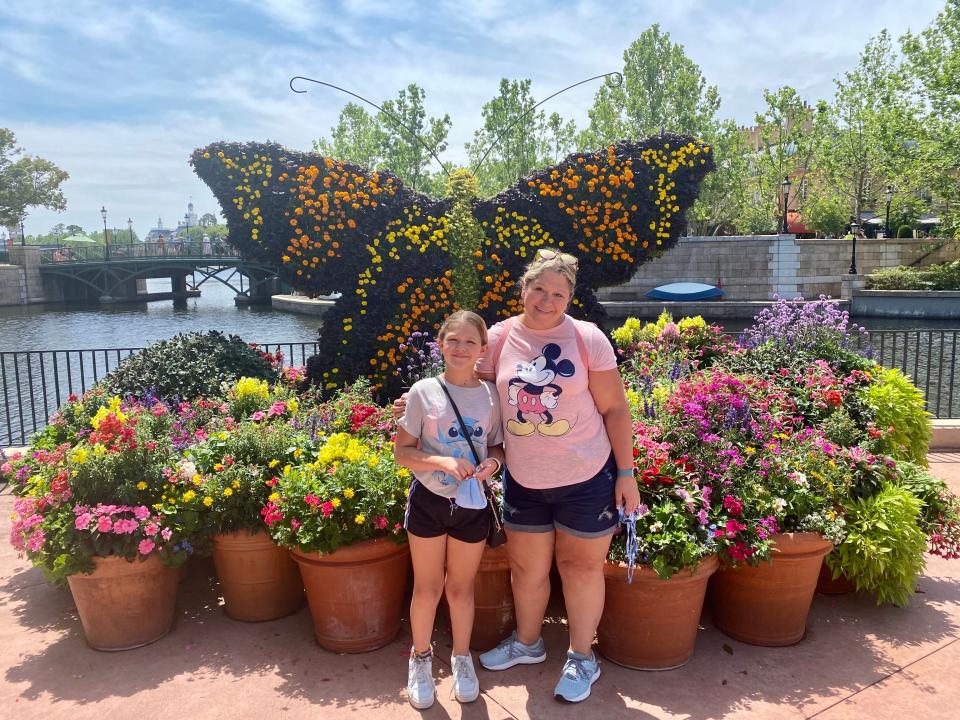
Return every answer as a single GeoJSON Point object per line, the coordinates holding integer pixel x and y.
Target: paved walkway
{"type": "Point", "coordinates": [857, 661]}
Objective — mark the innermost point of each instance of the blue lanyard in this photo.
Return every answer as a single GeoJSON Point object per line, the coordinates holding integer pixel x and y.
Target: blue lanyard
{"type": "Point", "coordinates": [629, 521]}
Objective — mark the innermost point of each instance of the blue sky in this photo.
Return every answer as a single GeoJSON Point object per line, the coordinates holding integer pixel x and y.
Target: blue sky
{"type": "Point", "coordinates": [119, 93]}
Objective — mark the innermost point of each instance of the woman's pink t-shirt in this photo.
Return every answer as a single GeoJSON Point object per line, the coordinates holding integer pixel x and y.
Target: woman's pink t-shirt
{"type": "Point", "coordinates": [553, 433]}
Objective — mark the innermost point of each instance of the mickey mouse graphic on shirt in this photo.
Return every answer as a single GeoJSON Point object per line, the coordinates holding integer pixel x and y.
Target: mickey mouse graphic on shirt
{"type": "Point", "coordinates": [454, 438]}
{"type": "Point", "coordinates": [534, 393]}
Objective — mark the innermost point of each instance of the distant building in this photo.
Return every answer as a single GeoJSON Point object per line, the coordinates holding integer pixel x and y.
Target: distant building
{"type": "Point", "coordinates": [189, 219]}
{"type": "Point", "coordinates": [159, 232]}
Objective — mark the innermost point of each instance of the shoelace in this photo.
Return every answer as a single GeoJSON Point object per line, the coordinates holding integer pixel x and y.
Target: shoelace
{"type": "Point", "coordinates": [463, 668]}
{"type": "Point", "coordinates": [629, 521]}
{"type": "Point", "coordinates": [577, 665]}
{"type": "Point", "coordinates": [419, 671]}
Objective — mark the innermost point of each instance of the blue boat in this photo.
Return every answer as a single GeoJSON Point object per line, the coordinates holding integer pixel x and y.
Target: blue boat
{"type": "Point", "coordinates": [685, 291]}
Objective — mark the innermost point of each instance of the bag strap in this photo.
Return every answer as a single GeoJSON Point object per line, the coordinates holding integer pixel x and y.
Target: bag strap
{"type": "Point", "coordinates": [463, 425]}
{"type": "Point", "coordinates": [509, 322]}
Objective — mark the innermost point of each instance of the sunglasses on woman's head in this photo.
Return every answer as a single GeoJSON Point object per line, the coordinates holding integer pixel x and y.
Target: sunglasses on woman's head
{"type": "Point", "coordinates": [565, 258]}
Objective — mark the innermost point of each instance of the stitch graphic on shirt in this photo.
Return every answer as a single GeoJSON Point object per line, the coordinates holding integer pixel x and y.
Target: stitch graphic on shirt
{"type": "Point", "coordinates": [453, 438]}
{"type": "Point", "coordinates": [534, 393]}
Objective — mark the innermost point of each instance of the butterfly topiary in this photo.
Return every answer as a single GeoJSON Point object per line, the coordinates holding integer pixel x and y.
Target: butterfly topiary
{"type": "Point", "coordinates": [403, 261]}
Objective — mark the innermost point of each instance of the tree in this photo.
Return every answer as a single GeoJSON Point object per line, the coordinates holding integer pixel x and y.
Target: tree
{"type": "Point", "coordinates": [932, 59]}
{"type": "Point", "coordinates": [380, 142]}
{"type": "Point", "coordinates": [26, 182]}
{"type": "Point", "coordinates": [868, 137]}
{"type": "Point", "coordinates": [662, 89]}
{"type": "Point", "coordinates": [533, 141]}
{"type": "Point", "coordinates": [783, 147]}
{"type": "Point", "coordinates": [207, 220]}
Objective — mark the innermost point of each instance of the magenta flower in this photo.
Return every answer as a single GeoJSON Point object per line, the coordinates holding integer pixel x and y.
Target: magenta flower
{"type": "Point", "coordinates": [104, 524]}
{"type": "Point", "coordinates": [83, 521]}
{"type": "Point", "coordinates": [146, 546]}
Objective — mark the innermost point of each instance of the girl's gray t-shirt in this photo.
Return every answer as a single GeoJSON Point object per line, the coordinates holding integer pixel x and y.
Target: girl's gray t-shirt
{"type": "Point", "coordinates": [430, 418]}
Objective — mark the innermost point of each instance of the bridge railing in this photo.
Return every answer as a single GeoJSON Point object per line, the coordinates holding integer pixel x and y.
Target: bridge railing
{"type": "Point", "coordinates": [34, 383]}
{"type": "Point", "coordinates": [192, 249]}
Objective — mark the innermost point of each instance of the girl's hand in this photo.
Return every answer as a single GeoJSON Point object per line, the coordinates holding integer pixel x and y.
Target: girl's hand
{"type": "Point", "coordinates": [400, 406]}
{"type": "Point", "coordinates": [627, 494]}
{"type": "Point", "coordinates": [459, 468]}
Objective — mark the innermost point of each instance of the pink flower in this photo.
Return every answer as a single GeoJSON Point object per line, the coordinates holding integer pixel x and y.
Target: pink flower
{"type": "Point", "coordinates": [732, 505]}
{"type": "Point", "coordinates": [166, 533]}
{"type": "Point", "coordinates": [311, 500]}
{"type": "Point", "coordinates": [141, 512]}
{"type": "Point", "coordinates": [104, 524]}
{"type": "Point", "coordinates": [6, 468]}
{"type": "Point", "coordinates": [146, 547]}
{"type": "Point", "coordinates": [380, 522]}
{"type": "Point", "coordinates": [35, 541]}
{"type": "Point", "coordinates": [327, 509]}
{"type": "Point", "coordinates": [702, 517]}
{"type": "Point", "coordinates": [294, 523]}
{"type": "Point", "coordinates": [151, 529]}
{"type": "Point", "coordinates": [83, 521]}
{"type": "Point", "coordinates": [258, 415]}
{"type": "Point", "coordinates": [278, 408]}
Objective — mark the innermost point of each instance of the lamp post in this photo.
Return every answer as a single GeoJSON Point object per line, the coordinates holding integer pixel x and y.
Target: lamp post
{"type": "Point", "coordinates": [23, 238]}
{"type": "Point", "coordinates": [186, 222]}
{"type": "Point", "coordinates": [785, 189]}
{"type": "Point", "coordinates": [854, 229]}
{"type": "Point", "coordinates": [130, 228]}
{"type": "Point", "coordinates": [106, 238]}
{"type": "Point", "coordinates": [889, 196]}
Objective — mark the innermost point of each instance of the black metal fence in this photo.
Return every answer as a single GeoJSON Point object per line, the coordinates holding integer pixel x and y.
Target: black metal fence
{"type": "Point", "coordinates": [180, 249]}
{"type": "Point", "coordinates": [34, 383]}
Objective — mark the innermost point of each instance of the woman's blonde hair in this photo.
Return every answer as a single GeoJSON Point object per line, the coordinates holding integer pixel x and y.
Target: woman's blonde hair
{"type": "Point", "coordinates": [463, 317]}
{"type": "Point", "coordinates": [559, 262]}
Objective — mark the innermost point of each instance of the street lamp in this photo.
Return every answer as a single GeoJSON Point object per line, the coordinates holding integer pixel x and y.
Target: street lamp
{"type": "Point", "coordinates": [889, 195]}
{"type": "Point", "coordinates": [23, 238]}
{"type": "Point", "coordinates": [130, 228]}
{"type": "Point", "coordinates": [106, 238]}
{"type": "Point", "coordinates": [785, 189]}
{"type": "Point", "coordinates": [186, 221]}
{"type": "Point", "coordinates": [854, 229]}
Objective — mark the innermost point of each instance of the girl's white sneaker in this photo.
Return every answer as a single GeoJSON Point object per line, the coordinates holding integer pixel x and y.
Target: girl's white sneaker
{"type": "Point", "coordinates": [420, 688]}
{"type": "Point", "coordinates": [466, 687]}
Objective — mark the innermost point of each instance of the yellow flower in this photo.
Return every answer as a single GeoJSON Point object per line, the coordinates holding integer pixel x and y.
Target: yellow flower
{"type": "Point", "coordinates": [335, 502]}
{"type": "Point", "coordinates": [218, 467]}
{"type": "Point", "coordinates": [236, 484]}
{"type": "Point", "coordinates": [79, 455]}
{"type": "Point", "coordinates": [286, 469]}
{"type": "Point", "coordinates": [273, 463]}
{"type": "Point", "coordinates": [348, 493]}
{"type": "Point", "coordinates": [141, 485]}
{"type": "Point", "coordinates": [274, 497]}
{"type": "Point", "coordinates": [189, 495]}
{"type": "Point", "coordinates": [99, 450]}
{"type": "Point", "coordinates": [749, 450]}
{"type": "Point", "coordinates": [227, 492]}
{"type": "Point", "coordinates": [297, 452]}
{"type": "Point", "coordinates": [403, 473]}
{"type": "Point", "coordinates": [251, 387]}
{"type": "Point", "coordinates": [359, 519]}
{"type": "Point", "coordinates": [208, 501]}
{"type": "Point", "coordinates": [196, 479]}
{"type": "Point", "coordinates": [293, 405]}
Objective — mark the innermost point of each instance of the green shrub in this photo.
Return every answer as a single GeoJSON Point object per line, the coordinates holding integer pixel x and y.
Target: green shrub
{"type": "Point", "coordinates": [189, 366]}
{"type": "Point", "coordinates": [945, 276]}
{"type": "Point", "coordinates": [883, 550]}
{"type": "Point", "coordinates": [897, 278]}
{"type": "Point", "coordinates": [936, 496]}
{"type": "Point", "coordinates": [899, 409]}
{"type": "Point", "coordinates": [905, 231]}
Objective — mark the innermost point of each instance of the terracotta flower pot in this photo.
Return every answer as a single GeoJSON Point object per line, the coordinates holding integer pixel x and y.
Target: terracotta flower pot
{"type": "Point", "coordinates": [826, 585]}
{"type": "Point", "coordinates": [260, 581]}
{"type": "Point", "coordinates": [651, 624]}
{"type": "Point", "coordinates": [356, 593]}
{"type": "Point", "coordinates": [768, 605]}
{"type": "Point", "coordinates": [494, 616]}
{"type": "Point", "coordinates": [125, 604]}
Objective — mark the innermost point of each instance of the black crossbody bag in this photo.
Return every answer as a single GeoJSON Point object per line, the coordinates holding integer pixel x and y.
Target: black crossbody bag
{"type": "Point", "coordinates": [496, 536]}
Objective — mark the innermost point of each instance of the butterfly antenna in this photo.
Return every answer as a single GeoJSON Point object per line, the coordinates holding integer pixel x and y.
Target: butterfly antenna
{"type": "Point", "coordinates": [389, 114]}
{"type": "Point", "coordinates": [618, 81]}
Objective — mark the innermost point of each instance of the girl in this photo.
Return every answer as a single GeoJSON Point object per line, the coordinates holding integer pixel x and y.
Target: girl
{"type": "Point", "coordinates": [446, 540]}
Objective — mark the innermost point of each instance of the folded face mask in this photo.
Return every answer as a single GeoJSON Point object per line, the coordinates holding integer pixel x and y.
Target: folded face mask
{"type": "Point", "coordinates": [470, 495]}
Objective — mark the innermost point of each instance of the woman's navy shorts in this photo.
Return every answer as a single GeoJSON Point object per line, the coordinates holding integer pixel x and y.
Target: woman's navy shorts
{"type": "Point", "coordinates": [585, 509]}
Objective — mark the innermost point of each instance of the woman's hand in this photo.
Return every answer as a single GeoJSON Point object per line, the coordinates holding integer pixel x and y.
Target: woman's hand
{"type": "Point", "coordinates": [459, 468]}
{"type": "Point", "coordinates": [400, 406]}
{"type": "Point", "coordinates": [627, 494]}
{"type": "Point", "coordinates": [486, 469]}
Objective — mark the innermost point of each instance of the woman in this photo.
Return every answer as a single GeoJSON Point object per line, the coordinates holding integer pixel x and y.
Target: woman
{"type": "Point", "coordinates": [569, 465]}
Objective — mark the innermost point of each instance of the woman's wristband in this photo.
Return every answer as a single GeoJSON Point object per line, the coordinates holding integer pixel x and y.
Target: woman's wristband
{"type": "Point", "coordinates": [499, 465]}
{"type": "Point", "coordinates": [625, 472]}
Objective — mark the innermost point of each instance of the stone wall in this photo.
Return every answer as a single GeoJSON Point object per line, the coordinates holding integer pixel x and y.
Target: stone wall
{"type": "Point", "coordinates": [756, 267]}
{"type": "Point", "coordinates": [12, 291]}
